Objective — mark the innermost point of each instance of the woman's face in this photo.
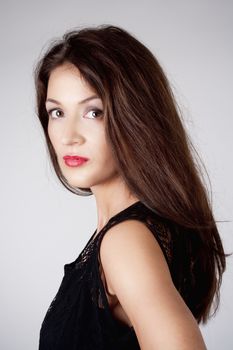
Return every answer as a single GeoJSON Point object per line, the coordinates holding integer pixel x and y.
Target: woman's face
{"type": "Point", "coordinates": [77, 128]}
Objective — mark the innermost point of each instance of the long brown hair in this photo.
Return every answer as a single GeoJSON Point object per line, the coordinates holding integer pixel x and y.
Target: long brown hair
{"type": "Point", "coordinates": [151, 147]}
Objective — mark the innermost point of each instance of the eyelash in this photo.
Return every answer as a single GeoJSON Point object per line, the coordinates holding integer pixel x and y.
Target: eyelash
{"type": "Point", "coordinates": [96, 110]}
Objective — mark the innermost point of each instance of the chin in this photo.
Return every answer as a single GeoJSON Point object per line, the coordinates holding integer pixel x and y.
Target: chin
{"type": "Point", "coordinates": [80, 184]}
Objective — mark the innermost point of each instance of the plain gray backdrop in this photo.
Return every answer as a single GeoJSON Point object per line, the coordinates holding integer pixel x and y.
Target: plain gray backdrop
{"type": "Point", "coordinates": [44, 226]}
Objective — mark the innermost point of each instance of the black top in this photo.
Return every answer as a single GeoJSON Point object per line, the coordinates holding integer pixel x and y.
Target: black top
{"type": "Point", "coordinates": [79, 317]}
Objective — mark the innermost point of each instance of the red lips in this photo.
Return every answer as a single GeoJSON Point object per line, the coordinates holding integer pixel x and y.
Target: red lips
{"type": "Point", "coordinates": [75, 157]}
{"type": "Point", "coordinates": [74, 161]}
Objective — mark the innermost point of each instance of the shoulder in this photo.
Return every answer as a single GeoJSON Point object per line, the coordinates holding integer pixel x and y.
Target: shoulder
{"type": "Point", "coordinates": [133, 240]}
{"type": "Point", "coordinates": [127, 236]}
{"type": "Point", "coordinates": [136, 272]}
{"type": "Point", "coordinates": [129, 249]}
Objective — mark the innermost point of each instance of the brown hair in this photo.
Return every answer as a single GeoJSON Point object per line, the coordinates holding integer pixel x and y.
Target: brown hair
{"type": "Point", "coordinates": [151, 148]}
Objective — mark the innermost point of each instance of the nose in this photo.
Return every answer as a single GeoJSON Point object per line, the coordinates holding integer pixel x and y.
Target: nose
{"type": "Point", "coordinates": [72, 133]}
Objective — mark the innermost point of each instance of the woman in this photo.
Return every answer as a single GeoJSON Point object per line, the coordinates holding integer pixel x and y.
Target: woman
{"type": "Point", "coordinates": [152, 269]}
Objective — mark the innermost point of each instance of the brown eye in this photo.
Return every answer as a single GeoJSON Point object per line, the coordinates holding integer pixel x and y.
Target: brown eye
{"type": "Point", "coordinates": [56, 113]}
{"type": "Point", "coordinates": [94, 113]}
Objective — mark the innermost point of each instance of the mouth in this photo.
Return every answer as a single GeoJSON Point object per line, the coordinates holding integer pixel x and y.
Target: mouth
{"type": "Point", "coordinates": [74, 161]}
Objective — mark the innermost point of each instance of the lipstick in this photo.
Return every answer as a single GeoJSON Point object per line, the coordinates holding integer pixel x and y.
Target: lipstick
{"type": "Point", "coordinates": [74, 161]}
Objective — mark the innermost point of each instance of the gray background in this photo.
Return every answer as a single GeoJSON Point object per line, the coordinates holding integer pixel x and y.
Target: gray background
{"type": "Point", "coordinates": [43, 226]}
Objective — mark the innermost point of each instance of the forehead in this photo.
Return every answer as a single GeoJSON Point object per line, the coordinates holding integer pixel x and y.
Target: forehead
{"type": "Point", "coordinates": [67, 78]}
{"type": "Point", "coordinates": [66, 67]}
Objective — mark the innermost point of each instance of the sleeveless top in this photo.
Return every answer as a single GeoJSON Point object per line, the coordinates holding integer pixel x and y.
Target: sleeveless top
{"type": "Point", "coordinates": [79, 317]}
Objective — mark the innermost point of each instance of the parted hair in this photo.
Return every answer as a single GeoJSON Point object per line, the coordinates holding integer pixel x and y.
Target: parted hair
{"type": "Point", "coordinates": [151, 147]}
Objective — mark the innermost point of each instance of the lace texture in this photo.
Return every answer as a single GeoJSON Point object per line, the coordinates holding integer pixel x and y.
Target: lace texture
{"type": "Point", "coordinates": [79, 317]}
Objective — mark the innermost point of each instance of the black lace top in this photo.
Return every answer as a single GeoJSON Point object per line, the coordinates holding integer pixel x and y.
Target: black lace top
{"type": "Point", "coordinates": [79, 317]}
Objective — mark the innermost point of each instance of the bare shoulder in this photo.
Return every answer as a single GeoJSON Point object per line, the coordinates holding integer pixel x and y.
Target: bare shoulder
{"type": "Point", "coordinates": [131, 242]}
{"type": "Point", "coordinates": [136, 271]}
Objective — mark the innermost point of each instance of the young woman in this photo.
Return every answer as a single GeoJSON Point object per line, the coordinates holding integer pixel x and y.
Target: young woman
{"type": "Point", "coordinates": [151, 271]}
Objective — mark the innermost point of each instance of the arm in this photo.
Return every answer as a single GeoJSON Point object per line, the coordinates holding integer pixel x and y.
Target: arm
{"type": "Point", "coordinates": [137, 273]}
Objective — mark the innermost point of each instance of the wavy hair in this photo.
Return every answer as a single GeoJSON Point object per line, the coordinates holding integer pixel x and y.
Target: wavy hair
{"type": "Point", "coordinates": [150, 145]}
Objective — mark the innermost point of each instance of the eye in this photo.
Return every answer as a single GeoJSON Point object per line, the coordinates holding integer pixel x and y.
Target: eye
{"type": "Point", "coordinates": [54, 115]}
{"type": "Point", "coordinates": [94, 112]}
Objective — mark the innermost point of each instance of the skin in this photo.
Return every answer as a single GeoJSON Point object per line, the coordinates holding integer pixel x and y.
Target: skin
{"type": "Point", "coordinates": [73, 128]}
{"type": "Point", "coordinates": [138, 285]}
{"type": "Point", "coordinates": [141, 281]}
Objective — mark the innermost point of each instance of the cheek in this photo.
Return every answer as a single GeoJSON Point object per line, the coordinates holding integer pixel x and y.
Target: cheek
{"type": "Point", "coordinates": [107, 156]}
{"type": "Point", "coordinates": [51, 134]}
{"type": "Point", "coordinates": [53, 137]}
{"type": "Point", "coordinates": [103, 148]}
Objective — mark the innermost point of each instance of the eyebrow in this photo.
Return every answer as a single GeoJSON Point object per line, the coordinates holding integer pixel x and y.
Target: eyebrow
{"type": "Point", "coordinates": [80, 102]}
